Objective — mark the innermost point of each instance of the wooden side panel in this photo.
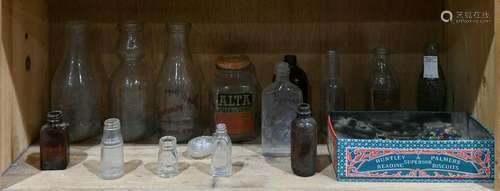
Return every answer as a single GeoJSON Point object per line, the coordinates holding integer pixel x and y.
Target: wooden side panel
{"type": "Point", "coordinates": [24, 80]}
{"type": "Point", "coordinates": [496, 59]}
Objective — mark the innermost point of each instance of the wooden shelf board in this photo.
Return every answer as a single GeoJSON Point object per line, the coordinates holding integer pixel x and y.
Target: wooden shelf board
{"type": "Point", "coordinates": [251, 172]}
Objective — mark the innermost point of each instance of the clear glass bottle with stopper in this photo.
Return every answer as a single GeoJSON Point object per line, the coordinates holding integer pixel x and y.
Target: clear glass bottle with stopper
{"type": "Point", "coordinates": [279, 109]}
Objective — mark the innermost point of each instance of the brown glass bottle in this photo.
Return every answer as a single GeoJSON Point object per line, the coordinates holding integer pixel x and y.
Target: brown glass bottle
{"type": "Point", "coordinates": [54, 143]}
{"type": "Point", "coordinates": [431, 92]}
{"type": "Point", "coordinates": [297, 76]}
{"type": "Point", "coordinates": [304, 142]}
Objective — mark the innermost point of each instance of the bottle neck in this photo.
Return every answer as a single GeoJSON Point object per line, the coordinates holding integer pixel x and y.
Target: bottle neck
{"type": "Point", "coordinates": [304, 110]}
{"type": "Point", "coordinates": [168, 143]}
{"type": "Point", "coordinates": [333, 70]}
{"type": "Point", "coordinates": [282, 76]}
{"type": "Point", "coordinates": [112, 133]}
{"type": "Point", "coordinates": [54, 118]}
{"type": "Point", "coordinates": [381, 63]}
{"type": "Point", "coordinates": [177, 43]}
{"type": "Point", "coordinates": [77, 43]}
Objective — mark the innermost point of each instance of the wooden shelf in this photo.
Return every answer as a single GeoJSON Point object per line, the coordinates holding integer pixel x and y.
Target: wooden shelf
{"type": "Point", "coordinates": [251, 172]}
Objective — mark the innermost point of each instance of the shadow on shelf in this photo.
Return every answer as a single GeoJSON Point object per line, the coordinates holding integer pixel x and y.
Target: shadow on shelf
{"type": "Point", "coordinates": [207, 169]}
{"type": "Point", "coordinates": [76, 157]}
{"type": "Point", "coordinates": [153, 166]}
{"type": "Point", "coordinates": [93, 166]}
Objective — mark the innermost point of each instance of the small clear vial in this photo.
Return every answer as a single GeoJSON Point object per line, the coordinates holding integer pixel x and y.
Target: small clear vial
{"type": "Point", "coordinates": [168, 157]}
{"type": "Point", "coordinates": [112, 150]}
{"type": "Point", "coordinates": [221, 157]}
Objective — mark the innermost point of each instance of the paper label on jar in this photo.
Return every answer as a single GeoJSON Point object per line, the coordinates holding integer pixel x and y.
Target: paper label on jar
{"type": "Point", "coordinates": [431, 70]}
{"type": "Point", "coordinates": [235, 110]}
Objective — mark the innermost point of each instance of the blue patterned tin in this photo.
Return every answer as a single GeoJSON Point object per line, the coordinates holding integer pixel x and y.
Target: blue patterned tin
{"type": "Point", "coordinates": [468, 159]}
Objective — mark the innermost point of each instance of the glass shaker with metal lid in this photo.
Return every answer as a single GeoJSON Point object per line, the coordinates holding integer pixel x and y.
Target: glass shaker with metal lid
{"type": "Point", "coordinates": [235, 99]}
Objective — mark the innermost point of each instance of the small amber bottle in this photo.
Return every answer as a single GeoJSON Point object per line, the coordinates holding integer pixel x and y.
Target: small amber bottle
{"type": "Point", "coordinates": [54, 143]}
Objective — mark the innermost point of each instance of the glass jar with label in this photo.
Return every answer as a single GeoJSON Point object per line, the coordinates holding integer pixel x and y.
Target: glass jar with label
{"type": "Point", "coordinates": [234, 97]}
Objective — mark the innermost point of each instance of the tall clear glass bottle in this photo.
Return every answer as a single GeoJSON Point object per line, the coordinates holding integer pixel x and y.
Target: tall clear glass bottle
{"type": "Point", "coordinates": [221, 156]}
{"type": "Point", "coordinates": [304, 142]}
{"type": "Point", "coordinates": [178, 89]}
{"type": "Point", "coordinates": [332, 89]}
{"type": "Point", "coordinates": [279, 109]}
{"type": "Point", "coordinates": [76, 86]}
{"type": "Point", "coordinates": [431, 92]}
{"type": "Point", "coordinates": [384, 87]}
{"type": "Point", "coordinates": [131, 91]}
{"type": "Point", "coordinates": [54, 143]}
{"type": "Point", "coordinates": [112, 164]}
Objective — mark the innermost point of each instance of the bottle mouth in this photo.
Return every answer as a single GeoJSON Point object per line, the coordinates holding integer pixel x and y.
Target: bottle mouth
{"type": "Point", "coordinates": [178, 27]}
{"type": "Point", "coordinates": [221, 128]}
{"type": "Point", "coordinates": [382, 51]}
{"type": "Point", "coordinates": [132, 26]}
{"type": "Point", "coordinates": [54, 116]}
{"type": "Point", "coordinates": [112, 124]}
{"type": "Point", "coordinates": [168, 142]}
{"type": "Point", "coordinates": [304, 109]}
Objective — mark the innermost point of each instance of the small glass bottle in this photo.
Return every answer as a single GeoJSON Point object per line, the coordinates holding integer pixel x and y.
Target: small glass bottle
{"type": "Point", "coordinates": [178, 89]}
{"type": "Point", "coordinates": [332, 90]}
{"type": "Point", "coordinates": [383, 87]}
{"type": "Point", "coordinates": [54, 143]}
{"type": "Point", "coordinates": [76, 86]}
{"type": "Point", "coordinates": [131, 96]}
{"type": "Point", "coordinates": [168, 157]}
{"type": "Point", "coordinates": [431, 92]}
{"type": "Point", "coordinates": [235, 97]}
{"type": "Point", "coordinates": [297, 76]}
{"type": "Point", "coordinates": [304, 142]}
{"type": "Point", "coordinates": [221, 156]}
{"type": "Point", "coordinates": [112, 164]}
{"type": "Point", "coordinates": [279, 109]}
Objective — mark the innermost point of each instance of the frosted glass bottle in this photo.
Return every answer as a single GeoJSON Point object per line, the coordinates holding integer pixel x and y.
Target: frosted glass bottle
{"type": "Point", "coordinates": [279, 109]}
{"type": "Point", "coordinates": [332, 89]}
{"type": "Point", "coordinates": [221, 156]}
{"type": "Point", "coordinates": [76, 86]}
{"type": "Point", "coordinates": [384, 86]}
{"type": "Point", "coordinates": [131, 91]}
{"type": "Point", "coordinates": [112, 165]}
{"type": "Point", "coordinates": [177, 88]}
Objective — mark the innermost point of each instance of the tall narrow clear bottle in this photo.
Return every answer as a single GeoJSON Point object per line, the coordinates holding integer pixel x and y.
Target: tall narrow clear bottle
{"type": "Point", "coordinates": [221, 156]}
{"type": "Point", "coordinates": [431, 92]}
{"type": "Point", "coordinates": [76, 86]}
{"type": "Point", "coordinates": [279, 109]}
{"type": "Point", "coordinates": [383, 87]}
{"type": "Point", "coordinates": [177, 87]}
{"type": "Point", "coordinates": [332, 90]}
{"type": "Point", "coordinates": [112, 164]}
{"type": "Point", "coordinates": [131, 92]}
{"type": "Point", "coordinates": [304, 142]}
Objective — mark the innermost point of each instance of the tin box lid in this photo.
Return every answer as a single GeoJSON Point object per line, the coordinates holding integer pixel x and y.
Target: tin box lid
{"type": "Point", "coordinates": [233, 62]}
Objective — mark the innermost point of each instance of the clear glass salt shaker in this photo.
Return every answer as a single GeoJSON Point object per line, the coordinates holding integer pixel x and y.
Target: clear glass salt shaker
{"type": "Point", "coordinates": [112, 165]}
{"type": "Point", "coordinates": [168, 157]}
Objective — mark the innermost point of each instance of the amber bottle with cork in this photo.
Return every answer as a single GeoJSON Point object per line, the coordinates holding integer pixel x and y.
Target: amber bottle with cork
{"type": "Point", "coordinates": [235, 98]}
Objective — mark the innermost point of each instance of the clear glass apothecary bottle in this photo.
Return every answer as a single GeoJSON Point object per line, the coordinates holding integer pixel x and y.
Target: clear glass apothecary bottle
{"type": "Point", "coordinates": [383, 88]}
{"type": "Point", "coordinates": [235, 98]}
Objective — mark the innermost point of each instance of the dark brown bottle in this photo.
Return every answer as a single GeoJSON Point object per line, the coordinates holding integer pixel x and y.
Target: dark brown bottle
{"type": "Point", "coordinates": [297, 76]}
{"type": "Point", "coordinates": [54, 143]}
{"type": "Point", "coordinates": [304, 142]}
{"type": "Point", "coordinates": [431, 91]}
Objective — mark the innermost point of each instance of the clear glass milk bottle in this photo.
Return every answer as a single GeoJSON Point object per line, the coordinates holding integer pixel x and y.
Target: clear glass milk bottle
{"type": "Point", "coordinates": [383, 86]}
{"type": "Point", "coordinates": [131, 92]}
{"type": "Point", "coordinates": [76, 86]}
{"type": "Point", "coordinates": [279, 109]}
{"type": "Point", "coordinates": [177, 87]}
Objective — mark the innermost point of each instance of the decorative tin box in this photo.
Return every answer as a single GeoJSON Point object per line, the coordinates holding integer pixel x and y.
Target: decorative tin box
{"type": "Point", "coordinates": [410, 147]}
